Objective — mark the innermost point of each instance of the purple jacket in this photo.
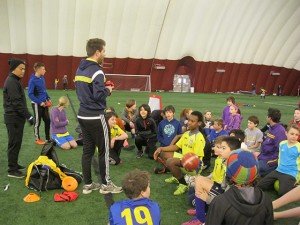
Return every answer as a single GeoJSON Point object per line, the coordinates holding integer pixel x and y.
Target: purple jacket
{"type": "Point", "coordinates": [58, 127]}
{"type": "Point", "coordinates": [234, 122]}
{"type": "Point", "coordinates": [270, 146]}
{"type": "Point", "coordinates": [226, 115]}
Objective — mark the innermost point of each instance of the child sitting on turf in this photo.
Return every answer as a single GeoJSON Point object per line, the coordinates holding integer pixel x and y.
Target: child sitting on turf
{"type": "Point", "coordinates": [287, 171]}
{"type": "Point", "coordinates": [129, 115]}
{"type": "Point", "coordinates": [169, 127]}
{"type": "Point", "coordinates": [206, 188]}
{"type": "Point", "coordinates": [146, 132]}
{"type": "Point", "coordinates": [118, 136]}
{"type": "Point", "coordinates": [242, 203]}
{"type": "Point", "coordinates": [158, 115]}
{"type": "Point", "coordinates": [235, 119]}
{"type": "Point", "coordinates": [167, 131]}
{"type": "Point", "coordinates": [58, 125]}
{"type": "Point", "coordinates": [138, 209]}
{"type": "Point", "coordinates": [296, 119]}
{"type": "Point", "coordinates": [191, 141]}
{"type": "Point", "coordinates": [239, 134]}
{"type": "Point", "coordinates": [226, 111]}
{"type": "Point", "coordinates": [254, 136]}
{"type": "Point", "coordinates": [207, 121]}
{"type": "Point", "coordinates": [216, 131]}
{"type": "Point", "coordinates": [184, 118]}
{"type": "Point", "coordinates": [119, 121]}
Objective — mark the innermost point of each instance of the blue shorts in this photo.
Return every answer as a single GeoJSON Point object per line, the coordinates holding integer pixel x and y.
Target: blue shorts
{"type": "Point", "coordinates": [61, 140]}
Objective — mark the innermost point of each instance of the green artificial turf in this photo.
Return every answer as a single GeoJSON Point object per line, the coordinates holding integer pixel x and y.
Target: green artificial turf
{"type": "Point", "coordinates": [91, 209]}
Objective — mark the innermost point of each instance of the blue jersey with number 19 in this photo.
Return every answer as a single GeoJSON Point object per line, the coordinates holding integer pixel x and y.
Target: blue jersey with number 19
{"type": "Point", "coordinates": [135, 212]}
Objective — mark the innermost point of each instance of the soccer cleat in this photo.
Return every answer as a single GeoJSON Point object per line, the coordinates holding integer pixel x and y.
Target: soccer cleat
{"type": "Point", "coordinates": [40, 142]}
{"type": "Point", "coordinates": [191, 212]}
{"type": "Point", "coordinates": [181, 189]}
{"type": "Point", "coordinates": [171, 180]}
{"type": "Point", "coordinates": [88, 188]}
{"type": "Point", "coordinates": [16, 174]}
{"type": "Point", "coordinates": [193, 221]}
{"type": "Point", "coordinates": [110, 188]}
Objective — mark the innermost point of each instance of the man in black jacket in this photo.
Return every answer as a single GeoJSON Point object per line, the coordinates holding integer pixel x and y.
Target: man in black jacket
{"type": "Point", "coordinates": [15, 114]}
{"type": "Point", "coordinates": [92, 93]}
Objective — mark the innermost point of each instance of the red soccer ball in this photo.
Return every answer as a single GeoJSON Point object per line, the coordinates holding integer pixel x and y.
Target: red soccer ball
{"type": "Point", "coordinates": [190, 161]}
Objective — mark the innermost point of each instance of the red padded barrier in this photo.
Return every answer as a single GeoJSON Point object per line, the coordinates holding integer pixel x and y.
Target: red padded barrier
{"type": "Point", "coordinates": [204, 75]}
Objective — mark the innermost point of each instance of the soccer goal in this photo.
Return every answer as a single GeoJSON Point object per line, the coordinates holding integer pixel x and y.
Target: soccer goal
{"type": "Point", "coordinates": [130, 82]}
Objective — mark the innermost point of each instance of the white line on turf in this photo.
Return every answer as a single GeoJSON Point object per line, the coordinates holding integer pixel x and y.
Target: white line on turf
{"type": "Point", "coordinates": [272, 103]}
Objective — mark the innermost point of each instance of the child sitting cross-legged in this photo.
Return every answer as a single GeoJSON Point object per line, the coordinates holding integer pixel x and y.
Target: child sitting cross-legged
{"type": "Point", "coordinates": [191, 141]}
{"type": "Point", "coordinates": [287, 171]}
{"type": "Point", "coordinates": [206, 188]}
{"type": "Point", "coordinates": [138, 209]}
{"type": "Point", "coordinates": [253, 135]}
{"type": "Point", "coordinates": [168, 128]}
{"type": "Point", "coordinates": [243, 203]}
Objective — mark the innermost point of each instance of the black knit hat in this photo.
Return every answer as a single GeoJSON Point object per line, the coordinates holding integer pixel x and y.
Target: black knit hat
{"type": "Point", "coordinates": [14, 63]}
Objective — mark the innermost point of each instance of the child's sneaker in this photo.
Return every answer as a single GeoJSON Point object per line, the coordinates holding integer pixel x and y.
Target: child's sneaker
{"type": "Point", "coordinates": [139, 154]}
{"type": "Point", "coordinates": [181, 189]}
{"type": "Point", "coordinates": [88, 188]}
{"type": "Point", "coordinates": [171, 180]}
{"type": "Point", "coordinates": [190, 180]}
{"type": "Point", "coordinates": [110, 188]}
{"type": "Point", "coordinates": [193, 221]}
{"type": "Point", "coordinates": [191, 212]}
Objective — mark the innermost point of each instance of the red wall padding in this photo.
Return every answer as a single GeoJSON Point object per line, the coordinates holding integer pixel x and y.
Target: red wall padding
{"type": "Point", "coordinates": [203, 74]}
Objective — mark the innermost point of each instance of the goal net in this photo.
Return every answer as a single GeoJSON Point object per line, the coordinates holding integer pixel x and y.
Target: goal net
{"type": "Point", "coordinates": [130, 82]}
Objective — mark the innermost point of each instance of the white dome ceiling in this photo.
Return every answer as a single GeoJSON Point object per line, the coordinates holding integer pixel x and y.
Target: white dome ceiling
{"type": "Point", "coordinates": [240, 31]}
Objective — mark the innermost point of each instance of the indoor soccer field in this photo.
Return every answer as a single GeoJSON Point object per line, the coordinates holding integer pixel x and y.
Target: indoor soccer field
{"type": "Point", "coordinates": [91, 209]}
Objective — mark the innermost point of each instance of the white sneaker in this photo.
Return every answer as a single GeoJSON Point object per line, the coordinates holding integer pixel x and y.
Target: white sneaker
{"type": "Point", "coordinates": [88, 188]}
{"type": "Point", "coordinates": [110, 188]}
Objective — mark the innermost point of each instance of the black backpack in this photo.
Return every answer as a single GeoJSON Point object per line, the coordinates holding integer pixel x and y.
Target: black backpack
{"type": "Point", "coordinates": [46, 174]}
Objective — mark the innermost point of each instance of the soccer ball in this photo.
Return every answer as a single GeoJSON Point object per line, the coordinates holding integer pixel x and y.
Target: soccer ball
{"type": "Point", "coordinates": [190, 161]}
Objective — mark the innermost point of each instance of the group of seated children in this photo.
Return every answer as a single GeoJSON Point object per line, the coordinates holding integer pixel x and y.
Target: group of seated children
{"type": "Point", "coordinates": [232, 191]}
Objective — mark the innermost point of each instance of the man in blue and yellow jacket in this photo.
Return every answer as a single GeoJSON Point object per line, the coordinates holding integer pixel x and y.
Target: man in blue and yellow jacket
{"type": "Point", "coordinates": [92, 93]}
